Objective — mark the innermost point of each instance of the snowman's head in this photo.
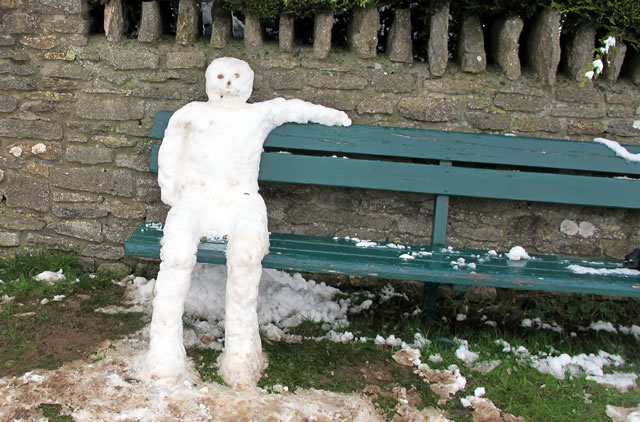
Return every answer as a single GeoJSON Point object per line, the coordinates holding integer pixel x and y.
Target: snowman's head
{"type": "Point", "coordinates": [229, 79]}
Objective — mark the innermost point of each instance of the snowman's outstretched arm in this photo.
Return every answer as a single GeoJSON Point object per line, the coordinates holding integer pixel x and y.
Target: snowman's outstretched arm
{"type": "Point", "coordinates": [170, 158]}
{"type": "Point", "coordinates": [297, 111]}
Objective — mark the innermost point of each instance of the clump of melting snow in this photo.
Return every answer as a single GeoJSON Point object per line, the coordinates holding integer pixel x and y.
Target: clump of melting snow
{"type": "Point", "coordinates": [50, 276]}
{"type": "Point", "coordinates": [579, 269]}
{"type": "Point", "coordinates": [619, 150]}
{"type": "Point", "coordinates": [39, 148]}
{"type": "Point", "coordinates": [464, 354]}
{"type": "Point", "coordinates": [537, 322]}
{"type": "Point", "coordinates": [517, 253]}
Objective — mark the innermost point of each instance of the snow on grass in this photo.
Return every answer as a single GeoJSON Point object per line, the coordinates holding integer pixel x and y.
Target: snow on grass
{"type": "Point", "coordinates": [50, 276]}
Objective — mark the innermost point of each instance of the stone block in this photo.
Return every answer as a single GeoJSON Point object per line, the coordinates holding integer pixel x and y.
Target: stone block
{"type": "Point", "coordinates": [621, 97]}
{"type": "Point", "coordinates": [36, 168]}
{"type": "Point", "coordinates": [7, 40]}
{"type": "Point", "coordinates": [126, 209]}
{"type": "Point", "coordinates": [186, 59]}
{"type": "Point", "coordinates": [68, 7]}
{"type": "Point", "coordinates": [19, 22]}
{"type": "Point", "coordinates": [574, 93]}
{"type": "Point", "coordinates": [114, 21]}
{"type": "Point", "coordinates": [375, 105]}
{"type": "Point", "coordinates": [394, 82]}
{"type": "Point", "coordinates": [95, 179]}
{"type": "Point", "coordinates": [161, 92]}
{"type": "Point", "coordinates": [579, 49]}
{"type": "Point", "coordinates": [399, 40]}
{"type": "Point", "coordinates": [428, 109]}
{"type": "Point", "coordinates": [88, 155]}
{"type": "Point", "coordinates": [616, 58]}
{"type": "Point", "coordinates": [584, 127]}
{"type": "Point", "coordinates": [65, 70]}
{"type": "Point", "coordinates": [505, 45]}
{"type": "Point", "coordinates": [623, 127]}
{"type": "Point", "coordinates": [343, 81]}
{"type": "Point", "coordinates": [336, 99]}
{"type": "Point", "coordinates": [150, 29]}
{"type": "Point", "coordinates": [116, 141]}
{"type": "Point", "coordinates": [438, 45]}
{"type": "Point", "coordinates": [79, 210]}
{"type": "Point", "coordinates": [135, 162]}
{"type": "Point", "coordinates": [519, 102]}
{"type": "Point", "coordinates": [471, 53]}
{"type": "Point", "coordinates": [221, 30]}
{"type": "Point", "coordinates": [322, 25]}
{"type": "Point", "coordinates": [52, 242]}
{"type": "Point", "coordinates": [252, 33]}
{"type": "Point", "coordinates": [286, 34]}
{"type": "Point", "coordinates": [81, 229]}
{"type": "Point", "coordinates": [619, 111]}
{"type": "Point", "coordinates": [189, 22]}
{"type": "Point", "coordinates": [584, 111]}
{"type": "Point", "coordinates": [39, 42]}
{"type": "Point", "coordinates": [8, 103]}
{"type": "Point", "coordinates": [66, 24]}
{"type": "Point", "coordinates": [103, 251]}
{"type": "Point", "coordinates": [543, 47]}
{"type": "Point", "coordinates": [130, 58]}
{"type": "Point", "coordinates": [286, 79]}
{"type": "Point", "coordinates": [25, 191]}
{"type": "Point", "coordinates": [538, 124]}
{"type": "Point", "coordinates": [39, 129]}
{"type": "Point", "coordinates": [97, 108]}
{"type": "Point", "coordinates": [8, 239]}
{"type": "Point", "coordinates": [61, 196]}
{"type": "Point", "coordinates": [488, 121]}
{"type": "Point", "coordinates": [13, 219]}
{"type": "Point", "coordinates": [20, 69]}
{"type": "Point", "coordinates": [362, 33]}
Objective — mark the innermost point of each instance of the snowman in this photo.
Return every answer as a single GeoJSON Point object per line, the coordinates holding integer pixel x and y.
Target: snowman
{"type": "Point", "coordinates": [208, 167]}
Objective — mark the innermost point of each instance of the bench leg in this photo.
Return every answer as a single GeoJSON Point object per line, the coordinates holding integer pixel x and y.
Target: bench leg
{"type": "Point", "coordinates": [430, 294]}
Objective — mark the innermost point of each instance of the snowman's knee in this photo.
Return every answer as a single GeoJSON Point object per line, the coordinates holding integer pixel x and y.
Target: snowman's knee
{"type": "Point", "coordinates": [248, 245]}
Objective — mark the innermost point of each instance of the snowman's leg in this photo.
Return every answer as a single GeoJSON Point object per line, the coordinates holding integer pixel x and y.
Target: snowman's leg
{"type": "Point", "coordinates": [166, 357]}
{"type": "Point", "coordinates": [242, 362]}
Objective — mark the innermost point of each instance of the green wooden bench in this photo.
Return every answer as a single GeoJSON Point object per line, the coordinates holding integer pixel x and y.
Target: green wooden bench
{"type": "Point", "coordinates": [443, 164]}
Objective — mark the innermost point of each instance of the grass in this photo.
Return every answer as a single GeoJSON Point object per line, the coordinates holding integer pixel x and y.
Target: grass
{"type": "Point", "coordinates": [514, 386]}
{"type": "Point", "coordinates": [33, 335]}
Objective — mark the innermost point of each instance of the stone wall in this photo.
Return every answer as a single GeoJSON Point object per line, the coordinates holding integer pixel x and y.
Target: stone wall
{"type": "Point", "coordinates": [76, 111]}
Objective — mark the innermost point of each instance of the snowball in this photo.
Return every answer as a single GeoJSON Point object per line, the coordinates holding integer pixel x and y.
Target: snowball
{"type": "Point", "coordinates": [517, 253]}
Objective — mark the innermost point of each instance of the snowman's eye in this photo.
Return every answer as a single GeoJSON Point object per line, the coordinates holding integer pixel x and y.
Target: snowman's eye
{"type": "Point", "coordinates": [220, 76]}
{"type": "Point", "coordinates": [237, 75]}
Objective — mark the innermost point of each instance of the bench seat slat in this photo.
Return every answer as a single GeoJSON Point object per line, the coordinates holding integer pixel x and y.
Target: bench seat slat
{"type": "Point", "coordinates": [341, 256]}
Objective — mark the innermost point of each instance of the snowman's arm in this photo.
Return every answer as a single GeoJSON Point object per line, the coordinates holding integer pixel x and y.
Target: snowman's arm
{"type": "Point", "coordinates": [170, 158]}
{"type": "Point", "coordinates": [284, 111]}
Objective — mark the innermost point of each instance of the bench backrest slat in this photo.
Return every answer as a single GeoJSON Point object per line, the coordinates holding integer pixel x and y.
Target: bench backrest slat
{"type": "Point", "coordinates": [439, 177]}
{"type": "Point", "coordinates": [438, 145]}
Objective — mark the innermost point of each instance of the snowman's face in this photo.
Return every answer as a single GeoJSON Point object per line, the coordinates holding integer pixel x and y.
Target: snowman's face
{"type": "Point", "coordinates": [229, 79]}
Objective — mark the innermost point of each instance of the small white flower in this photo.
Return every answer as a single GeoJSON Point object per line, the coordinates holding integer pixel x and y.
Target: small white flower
{"type": "Point", "coordinates": [589, 74]}
{"type": "Point", "coordinates": [598, 66]}
{"type": "Point", "coordinates": [609, 42]}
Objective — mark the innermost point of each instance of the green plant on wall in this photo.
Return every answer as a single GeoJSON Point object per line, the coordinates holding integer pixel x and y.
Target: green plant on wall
{"type": "Point", "coordinates": [616, 18]}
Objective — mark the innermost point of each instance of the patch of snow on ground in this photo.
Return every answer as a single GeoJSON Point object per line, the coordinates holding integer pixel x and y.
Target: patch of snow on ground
{"type": "Point", "coordinates": [50, 276]}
